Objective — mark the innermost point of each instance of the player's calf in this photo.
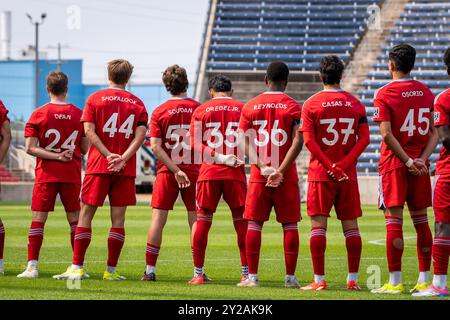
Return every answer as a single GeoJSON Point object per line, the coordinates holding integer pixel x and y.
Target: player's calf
{"type": "Point", "coordinates": [2, 245]}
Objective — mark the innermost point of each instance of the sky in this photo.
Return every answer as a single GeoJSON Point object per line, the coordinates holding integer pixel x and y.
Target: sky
{"type": "Point", "coordinates": [151, 34]}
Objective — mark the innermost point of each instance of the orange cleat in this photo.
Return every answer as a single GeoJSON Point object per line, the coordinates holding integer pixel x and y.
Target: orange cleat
{"type": "Point", "coordinates": [196, 280]}
{"type": "Point", "coordinates": [353, 286]}
{"type": "Point", "coordinates": [243, 281]}
{"type": "Point", "coordinates": [322, 285]}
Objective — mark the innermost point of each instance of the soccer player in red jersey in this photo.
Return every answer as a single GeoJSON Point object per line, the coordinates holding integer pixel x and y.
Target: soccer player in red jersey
{"type": "Point", "coordinates": [115, 122]}
{"type": "Point", "coordinates": [404, 109]}
{"type": "Point", "coordinates": [441, 196]}
{"type": "Point", "coordinates": [55, 136]}
{"type": "Point", "coordinates": [214, 136]}
{"type": "Point", "coordinates": [269, 125]}
{"type": "Point", "coordinates": [5, 140]}
{"type": "Point", "coordinates": [176, 173]}
{"type": "Point", "coordinates": [335, 130]}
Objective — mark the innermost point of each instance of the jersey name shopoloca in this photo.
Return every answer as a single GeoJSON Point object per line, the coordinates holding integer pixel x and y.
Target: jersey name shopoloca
{"type": "Point", "coordinates": [442, 118]}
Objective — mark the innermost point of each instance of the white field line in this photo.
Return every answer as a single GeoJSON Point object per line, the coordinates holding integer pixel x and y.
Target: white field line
{"type": "Point", "coordinates": [382, 242]}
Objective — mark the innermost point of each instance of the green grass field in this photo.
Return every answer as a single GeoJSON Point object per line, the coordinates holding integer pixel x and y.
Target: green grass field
{"type": "Point", "coordinates": [175, 261]}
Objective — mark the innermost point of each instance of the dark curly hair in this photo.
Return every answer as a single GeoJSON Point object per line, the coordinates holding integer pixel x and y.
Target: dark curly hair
{"type": "Point", "coordinates": [278, 71]}
{"type": "Point", "coordinates": [175, 79]}
{"type": "Point", "coordinates": [403, 56]}
{"type": "Point", "coordinates": [331, 70]}
{"type": "Point", "coordinates": [447, 60]}
{"type": "Point", "coordinates": [220, 83]}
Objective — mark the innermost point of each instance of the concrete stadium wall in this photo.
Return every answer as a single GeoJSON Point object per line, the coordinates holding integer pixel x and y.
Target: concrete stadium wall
{"type": "Point", "coordinates": [16, 192]}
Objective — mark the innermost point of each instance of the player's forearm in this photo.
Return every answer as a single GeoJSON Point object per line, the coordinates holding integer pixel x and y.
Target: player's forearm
{"type": "Point", "coordinates": [97, 143]}
{"type": "Point", "coordinates": [444, 135]}
{"type": "Point", "coordinates": [134, 146]}
{"type": "Point", "coordinates": [314, 148]}
{"type": "Point", "coordinates": [358, 148]}
{"type": "Point", "coordinates": [4, 146]}
{"type": "Point", "coordinates": [393, 144]}
{"type": "Point", "coordinates": [431, 145]}
{"type": "Point", "coordinates": [42, 153]}
{"type": "Point", "coordinates": [292, 154]}
{"type": "Point", "coordinates": [162, 156]}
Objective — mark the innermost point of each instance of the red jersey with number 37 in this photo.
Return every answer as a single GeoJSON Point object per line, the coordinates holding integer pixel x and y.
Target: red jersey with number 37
{"type": "Point", "coordinates": [442, 118]}
{"type": "Point", "coordinates": [269, 119]}
{"type": "Point", "coordinates": [335, 117]}
{"type": "Point", "coordinates": [57, 128]}
{"type": "Point", "coordinates": [171, 122]}
{"type": "Point", "coordinates": [116, 114]}
{"type": "Point", "coordinates": [407, 104]}
{"type": "Point", "coordinates": [215, 124]}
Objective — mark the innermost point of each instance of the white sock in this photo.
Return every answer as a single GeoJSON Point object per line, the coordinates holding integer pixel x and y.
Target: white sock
{"type": "Point", "coordinates": [395, 278]}
{"type": "Point", "coordinates": [352, 276]}
{"type": "Point", "coordinates": [318, 279]}
{"type": "Point", "coordinates": [253, 276]}
{"type": "Point", "coordinates": [198, 271]}
{"type": "Point", "coordinates": [1, 263]}
{"type": "Point", "coordinates": [111, 269]}
{"type": "Point", "coordinates": [32, 264]}
{"type": "Point", "coordinates": [150, 269]}
{"type": "Point", "coordinates": [76, 267]}
{"type": "Point", "coordinates": [290, 277]}
{"type": "Point", "coordinates": [440, 281]}
{"type": "Point", "coordinates": [424, 277]}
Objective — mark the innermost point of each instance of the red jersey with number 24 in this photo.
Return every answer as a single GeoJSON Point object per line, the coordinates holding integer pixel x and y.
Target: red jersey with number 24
{"type": "Point", "coordinates": [407, 104]}
{"type": "Point", "coordinates": [442, 118]}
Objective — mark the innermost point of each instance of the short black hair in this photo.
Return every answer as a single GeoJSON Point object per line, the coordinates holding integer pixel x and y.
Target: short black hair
{"type": "Point", "coordinates": [331, 69]}
{"type": "Point", "coordinates": [447, 60]}
{"type": "Point", "coordinates": [403, 56]}
{"type": "Point", "coordinates": [220, 83]}
{"type": "Point", "coordinates": [278, 71]}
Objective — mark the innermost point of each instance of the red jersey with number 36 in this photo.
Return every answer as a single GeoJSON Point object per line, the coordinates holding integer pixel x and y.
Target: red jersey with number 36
{"type": "Point", "coordinates": [116, 114]}
{"type": "Point", "coordinates": [171, 122]}
{"type": "Point", "coordinates": [57, 127]}
{"type": "Point", "coordinates": [335, 117]}
{"type": "Point", "coordinates": [442, 118]}
{"type": "Point", "coordinates": [269, 119]}
{"type": "Point", "coordinates": [215, 123]}
{"type": "Point", "coordinates": [407, 104]}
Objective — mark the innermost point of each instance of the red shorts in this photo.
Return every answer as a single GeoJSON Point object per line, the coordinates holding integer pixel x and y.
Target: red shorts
{"type": "Point", "coordinates": [441, 198]}
{"type": "Point", "coordinates": [121, 190]}
{"type": "Point", "coordinates": [210, 191]}
{"type": "Point", "coordinates": [166, 190]}
{"type": "Point", "coordinates": [285, 200]}
{"type": "Point", "coordinates": [398, 186]}
{"type": "Point", "coordinates": [322, 195]}
{"type": "Point", "coordinates": [44, 196]}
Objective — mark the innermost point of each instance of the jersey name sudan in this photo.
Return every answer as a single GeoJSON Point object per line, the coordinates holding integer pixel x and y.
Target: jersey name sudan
{"type": "Point", "coordinates": [442, 118]}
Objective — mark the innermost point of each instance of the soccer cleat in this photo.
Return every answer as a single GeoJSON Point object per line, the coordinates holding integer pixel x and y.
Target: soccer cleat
{"type": "Point", "coordinates": [322, 285]}
{"type": "Point", "coordinates": [291, 283]}
{"type": "Point", "coordinates": [29, 273]}
{"type": "Point", "coordinates": [353, 286]}
{"type": "Point", "coordinates": [419, 287]}
{"type": "Point", "coordinates": [242, 282]}
{"type": "Point", "coordinates": [197, 280]}
{"type": "Point", "coordinates": [250, 282]}
{"type": "Point", "coordinates": [149, 277]}
{"type": "Point", "coordinates": [72, 274]}
{"type": "Point", "coordinates": [206, 278]}
{"type": "Point", "coordinates": [113, 276]}
{"type": "Point", "coordinates": [431, 291]}
{"type": "Point", "coordinates": [389, 289]}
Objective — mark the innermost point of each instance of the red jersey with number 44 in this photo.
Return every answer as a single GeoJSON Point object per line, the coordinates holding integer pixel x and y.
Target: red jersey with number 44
{"type": "Point", "coordinates": [116, 114]}
{"type": "Point", "coordinates": [442, 118]}
{"type": "Point", "coordinates": [407, 104]}
{"type": "Point", "coordinates": [57, 128]}
{"type": "Point", "coordinates": [269, 120]}
{"type": "Point", "coordinates": [171, 122]}
{"type": "Point", "coordinates": [215, 124]}
{"type": "Point", "coordinates": [335, 117]}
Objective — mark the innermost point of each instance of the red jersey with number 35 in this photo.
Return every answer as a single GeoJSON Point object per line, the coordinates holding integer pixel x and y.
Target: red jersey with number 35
{"type": "Point", "coordinates": [57, 128]}
{"type": "Point", "coordinates": [116, 114]}
{"type": "Point", "coordinates": [269, 119]}
{"type": "Point", "coordinates": [335, 117]}
{"type": "Point", "coordinates": [215, 123]}
{"type": "Point", "coordinates": [442, 118]}
{"type": "Point", "coordinates": [171, 122]}
{"type": "Point", "coordinates": [407, 104]}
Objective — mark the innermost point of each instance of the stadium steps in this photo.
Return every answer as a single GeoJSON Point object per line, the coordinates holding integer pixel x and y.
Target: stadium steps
{"type": "Point", "coordinates": [7, 176]}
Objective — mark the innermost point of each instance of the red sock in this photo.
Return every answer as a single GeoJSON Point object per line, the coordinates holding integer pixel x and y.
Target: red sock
{"type": "Point", "coordinates": [151, 254]}
{"type": "Point", "coordinates": [35, 238]}
{"type": "Point", "coordinates": [424, 242]}
{"type": "Point", "coordinates": [318, 245]}
{"type": "Point", "coordinates": [394, 243]}
{"type": "Point", "coordinates": [354, 247]}
{"type": "Point", "coordinates": [2, 239]}
{"type": "Point", "coordinates": [73, 227]}
{"type": "Point", "coordinates": [240, 225]}
{"type": "Point", "coordinates": [441, 252]}
{"type": "Point", "coordinates": [82, 240]}
{"type": "Point", "coordinates": [116, 239]}
{"type": "Point", "coordinates": [291, 243]}
{"type": "Point", "coordinates": [204, 222]}
{"type": "Point", "coordinates": [253, 246]}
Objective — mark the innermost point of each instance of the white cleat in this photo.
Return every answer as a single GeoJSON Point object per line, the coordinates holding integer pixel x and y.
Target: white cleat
{"type": "Point", "coordinates": [249, 282]}
{"type": "Point", "coordinates": [29, 273]}
{"type": "Point", "coordinates": [291, 283]}
{"type": "Point", "coordinates": [71, 274]}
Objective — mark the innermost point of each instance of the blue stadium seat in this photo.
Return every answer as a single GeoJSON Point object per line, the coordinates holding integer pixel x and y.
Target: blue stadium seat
{"type": "Point", "coordinates": [283, 31]}
{"type": "Point", "coordinates": [282, 48]}
{"type": "Point", "coordinates": [272, 56]}
{"type": "Point", "coordinates": [258, 66]}
{"type": "Point", "coordinates": [417, 74]}
{"type": "Point", "coordinates": [225, 39]}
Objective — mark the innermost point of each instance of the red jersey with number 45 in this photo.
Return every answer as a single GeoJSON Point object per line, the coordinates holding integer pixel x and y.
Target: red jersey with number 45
{"type": "Point", "coordinates": [57, 128]}
{"type": "Point", "coordinates": [335, 117]}
{"type": "Point", "coordinates": [214, 124]}
{"type": "Point", "coordinates": [269, 120]}
{"type": "Point", "coordinates": [407, 104]}
{"type": "Point", "coordinates": [116, 114]}
{"type": "Point", "coordinates": [171, 122]}
{"type": "Point", "coordinates": [442, 118]}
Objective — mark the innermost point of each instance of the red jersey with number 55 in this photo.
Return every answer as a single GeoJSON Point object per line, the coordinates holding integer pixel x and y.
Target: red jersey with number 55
{"type": "Point", "coordinates": [57, 127]}
{"type": "Point", "coordinates": [171, 122]}
{"type": "Point", "coordinates": [116, 114]}
{"type": "Point", "coordinates": [407, 104]}
{"type": "Point", "coordinates": [269, 120]}
{"type": "Point", "coordinates": [442, 118]}
{"type": "Point", "coordinates": [214, 124]}
{"type": "Point", "coordinates": [335, 117]}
